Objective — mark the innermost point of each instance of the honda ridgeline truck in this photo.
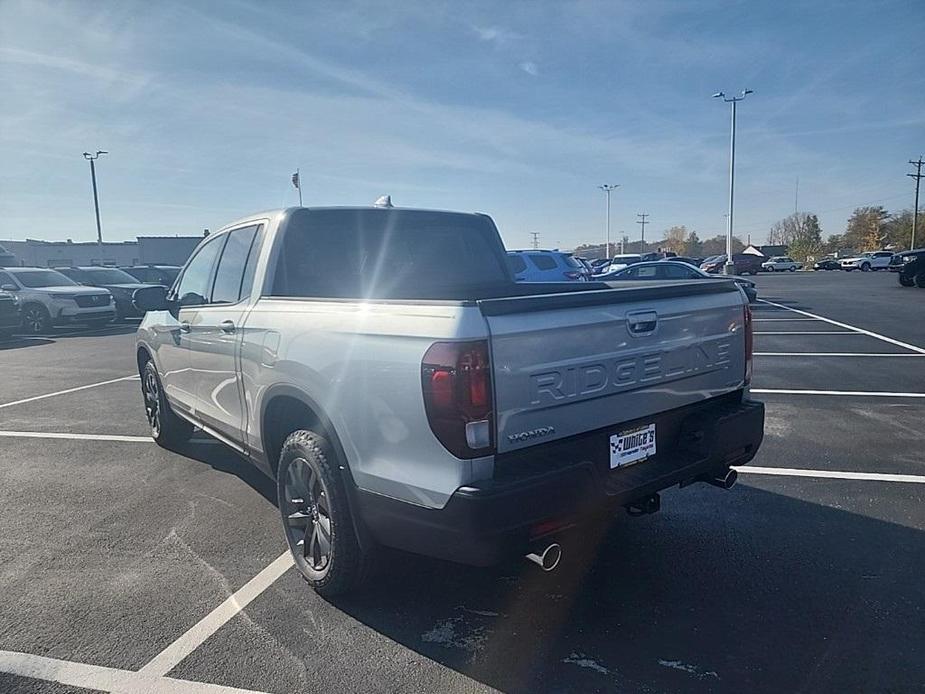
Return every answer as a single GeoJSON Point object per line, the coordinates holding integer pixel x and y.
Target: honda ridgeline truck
{"type": "Point", "coordinates": [383, 366]}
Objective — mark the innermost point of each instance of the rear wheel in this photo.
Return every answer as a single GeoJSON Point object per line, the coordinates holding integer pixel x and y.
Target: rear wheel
{"type": "Point", "coordinates": [35, 319]}
{"type": "Point", "coordinates": [906, 281]}
{"type": "Point", "coordinates": [167, 429]}
{"type": "Point", "coordinates": [865, 267]}
{"type": "Point", "coordinates": [920, 280]}
{"type": "Point", "coordinates": [793, 268]}
{"type": "Point", "coordinates": [316, 515]}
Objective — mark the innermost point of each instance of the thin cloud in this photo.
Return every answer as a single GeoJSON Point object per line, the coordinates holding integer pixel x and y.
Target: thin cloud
{"type": "Point", "coordinates": [497, 36]}
{"type": "Point", "coordinates": [530, 68]}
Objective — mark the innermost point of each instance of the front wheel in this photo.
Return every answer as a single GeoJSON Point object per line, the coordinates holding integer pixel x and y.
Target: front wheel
{"type": "Point", "coordinates": [865, 267]}
{"type": "Point", "coordinates": [920, 280]}
{"type": "Point", "coordinates": [906, 281]}
{"type": "Point", "coordinates": [35, 319]}
{"type": "Point", "coordinates": [316, 515]}
{"type": "Point", "coordinates": [792, 269]}
{"type": "Point", "coordinates": [167, 429]}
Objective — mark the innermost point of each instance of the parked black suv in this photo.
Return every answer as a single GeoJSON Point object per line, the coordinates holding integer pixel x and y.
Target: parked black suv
{"type": "Point", "coordinates": [744, 263]}
{"type": "Point", "coordinates": [911, 267]}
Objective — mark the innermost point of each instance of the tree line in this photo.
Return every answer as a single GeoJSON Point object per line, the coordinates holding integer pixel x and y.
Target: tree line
{"type": "Point", "coordinates": [868, 229]}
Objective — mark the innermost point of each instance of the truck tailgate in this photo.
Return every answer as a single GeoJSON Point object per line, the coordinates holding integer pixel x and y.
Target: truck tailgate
{"type": "Point", "coordinates": [565, 364]}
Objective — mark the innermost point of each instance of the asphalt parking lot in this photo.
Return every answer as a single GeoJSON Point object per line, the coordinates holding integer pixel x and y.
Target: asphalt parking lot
{"type": "Point", "coordinates": [125, 567]}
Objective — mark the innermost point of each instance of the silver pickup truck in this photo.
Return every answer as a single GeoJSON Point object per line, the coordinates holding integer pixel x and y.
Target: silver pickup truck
{"type": "Point", "coordinates": [383, 366]}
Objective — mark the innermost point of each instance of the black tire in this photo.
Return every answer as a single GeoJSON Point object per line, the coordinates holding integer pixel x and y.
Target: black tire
{"type": "Point", "coordinates": [167, 429]}
{"type": "Point", "coordinates": [920, 280]}
{"type": "Point", "coordinates": [315, 512]}
{"type": "Point", "coordinates": [906, 281]}
{"type": "Point", "coordinates": [35, 319]}
{"type": "Point", "coordinates": [865, 267]}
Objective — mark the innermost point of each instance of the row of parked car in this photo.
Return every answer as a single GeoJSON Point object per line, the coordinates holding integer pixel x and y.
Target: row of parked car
{"type": "Point", "coordinates": [33, 299]}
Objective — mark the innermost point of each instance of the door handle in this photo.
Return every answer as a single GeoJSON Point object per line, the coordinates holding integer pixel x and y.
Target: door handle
{"type": "Point", "coordinates": [184, 327]}
{"type": "Point", "coordinates": [227, 326]}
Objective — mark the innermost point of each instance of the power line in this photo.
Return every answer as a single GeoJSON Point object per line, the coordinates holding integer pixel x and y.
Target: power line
{"type": "Point", "coordinates": [915, 214]}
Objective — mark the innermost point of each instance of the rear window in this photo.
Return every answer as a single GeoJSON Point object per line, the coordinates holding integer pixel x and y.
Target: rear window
{"type": "Point", "coordinates": [572, 261]}
{"type": "Point", "coordinates": [388, 254]}
{"type": "Point", "coordinates": [543, 262]}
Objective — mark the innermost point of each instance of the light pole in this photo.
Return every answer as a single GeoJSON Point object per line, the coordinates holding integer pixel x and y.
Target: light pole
{"type": "Point", "coordinates": [729, 269]}
{"type": "Point", "coordinates": [607, 188]}
{"type": "Point", "coordinates": [96, 201]}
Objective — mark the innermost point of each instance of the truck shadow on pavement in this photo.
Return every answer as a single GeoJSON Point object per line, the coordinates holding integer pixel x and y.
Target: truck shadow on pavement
{"type": "Point", "coordinates": [746, 590]}
{"type": "Point", "coordinates": [796, 596]}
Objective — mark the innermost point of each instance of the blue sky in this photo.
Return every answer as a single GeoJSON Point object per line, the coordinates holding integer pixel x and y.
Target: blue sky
{"type": "Point", "coordinates": [516, 109]}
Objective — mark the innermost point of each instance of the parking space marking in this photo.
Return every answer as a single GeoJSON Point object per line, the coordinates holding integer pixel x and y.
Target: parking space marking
{"type": "Point", "coordinates": [874, 393]}
{"type": "Point", "coordinates": [170, 657]}
{"type": "Point", "coordinates": [75, 437]}
{"type": "Point", "coordinates": [66, 391]}
{"type": "Point", "coordinates": [782, 320]}
{"type": "Point", "coordinates": [808, 332]}
{"type": "Point", "coordinates": [101, 678]}
{"type": "Point", "coordinates": [835, 354]}
{"type": "Point", "coordinates": [914, 348]}
{"type": "Point", "coordinates": [833, 474]}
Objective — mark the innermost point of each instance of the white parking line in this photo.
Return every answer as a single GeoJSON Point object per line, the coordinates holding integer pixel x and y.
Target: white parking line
{"type": "Point", "coordinates": [808, 332]}
{"type": "Point", "coordinates": [878, 394]}
{"type": "Point", "coordinates": [170, 657]}
{"type": "Point", "coordinates": [835, 354]}
{"type": "Point", "coordinates": [914, 348]}
{"type": "Point", "coordinates": [75, 437]}
{"type": "Point", "coordinates": [832, 474]}
{"type": "Point", "coordinates": [782, 320]}
{"type": "Point", "coordinates": [104, 679]}
{"type": "Point", "coordinates": [66, 391]}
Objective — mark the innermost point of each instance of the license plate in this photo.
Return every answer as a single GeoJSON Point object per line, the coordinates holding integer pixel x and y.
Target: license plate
{"type": "Point", "coordinates": [632, 446]}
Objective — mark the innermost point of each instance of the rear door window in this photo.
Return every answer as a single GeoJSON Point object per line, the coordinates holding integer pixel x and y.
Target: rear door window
{"type": "Point", "coordinates": [229, 277]}
{"type": "Point", "coordinates": [647, 272]}
{"type": "Point", "coordinates": [517, 264]}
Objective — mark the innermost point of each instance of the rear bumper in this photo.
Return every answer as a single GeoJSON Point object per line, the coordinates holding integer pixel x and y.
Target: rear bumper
{"type": "Point", "coordinates": [563, 483]}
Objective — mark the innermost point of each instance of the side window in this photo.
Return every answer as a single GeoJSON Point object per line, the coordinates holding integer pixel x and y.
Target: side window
{"type": "Point", "coordinates": [517, 264]}
{"type": "Point", "coordinates": [543, 262]}
{"type": "Point", "coordinates": [674, 272]}
{"type": "Point", "coordinates": [229, 276]}
{"type": "Point", "coordinates": [647, 272]}
{"type": "Point", "coordinates": [632, 273]}
{"type": "Point", "coordinates": [250, 269]}
{"type": "Point", "coordinates": [193, 289]}
{"type": "Point", "coordinates": [6, 279]}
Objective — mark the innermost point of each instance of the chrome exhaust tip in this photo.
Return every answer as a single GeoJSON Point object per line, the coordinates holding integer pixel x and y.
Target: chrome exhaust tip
{"type": "Point", "coordinates": [548, 559]}
{"type": "Point", "coordinates": [726, 481]}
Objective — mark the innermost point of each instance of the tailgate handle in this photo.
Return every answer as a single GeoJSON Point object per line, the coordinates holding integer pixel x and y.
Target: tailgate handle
{"type": "Point", "coordinates": [641, 323]}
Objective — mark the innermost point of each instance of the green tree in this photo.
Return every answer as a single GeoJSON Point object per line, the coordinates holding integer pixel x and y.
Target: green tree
{"type": "Point", "coordinates": [717, 245]}
{"type": "Point", "coordinates": [693, 247]}
{"type": "Point", "coordinates": [898, 230]}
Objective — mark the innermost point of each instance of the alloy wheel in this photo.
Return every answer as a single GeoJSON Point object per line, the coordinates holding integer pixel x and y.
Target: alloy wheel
{"type": "Point", "coordinates": [152, 403]}
{"type": "Point", "coordinates": [34, 320]}
{"type": "Point", "coordinates": [307, 516]}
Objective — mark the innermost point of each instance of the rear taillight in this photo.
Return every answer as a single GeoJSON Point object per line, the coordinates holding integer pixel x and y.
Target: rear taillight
{"type": "Point", "coordinates": [456, 380]}
{"type": "Point", "coordinates": [749, 343]}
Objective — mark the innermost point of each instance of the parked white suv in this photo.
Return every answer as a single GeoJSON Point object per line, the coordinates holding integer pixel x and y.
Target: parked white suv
{"type": "Point", "coordinates": [873, 260]}
{"type": "Point", "coordinates": [49, 298]}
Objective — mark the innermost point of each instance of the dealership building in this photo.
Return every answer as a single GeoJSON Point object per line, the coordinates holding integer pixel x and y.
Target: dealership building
{"type": "Point", "coordinates": [144, 250]}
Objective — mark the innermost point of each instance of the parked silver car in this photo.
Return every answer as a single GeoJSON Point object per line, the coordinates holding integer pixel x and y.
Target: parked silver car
{"type": "Point", "coordinates": [49, 298]}
{"type": "Point", "coordinates": [436, 407]}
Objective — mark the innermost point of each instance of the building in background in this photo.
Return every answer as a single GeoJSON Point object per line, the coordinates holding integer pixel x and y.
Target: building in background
{"type": "Point", "coordinates": [769, 251]}
{"type": "Point", "coordinates": [145, 250]}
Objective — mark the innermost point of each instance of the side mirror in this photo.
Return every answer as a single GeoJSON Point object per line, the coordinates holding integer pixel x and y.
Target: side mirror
{"type": "Point", "coordinates": [9, 288]}
{"type": "Point", "coordinates": [153, 298]}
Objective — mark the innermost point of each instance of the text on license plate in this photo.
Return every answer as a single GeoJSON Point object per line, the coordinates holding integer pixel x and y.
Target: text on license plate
{"type": "Point", "coordinates": [632, 446]}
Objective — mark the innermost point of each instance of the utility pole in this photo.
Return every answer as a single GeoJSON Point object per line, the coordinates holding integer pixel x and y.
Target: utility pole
{"type": "Point", "coordinates": [796, 197]}
{"type": "Point", "coordinates": [623, 239]}
{"type": "Point", "coordinates": [729, 269]}
{"type": "Point", "coordinates": [607, 188]}
{"type": "Point", "coordinates": [643, 222]}
{"type": "Point", "coordinates": [536, 240]}
{"type": "Point", "coordinates": [96, 201]}
{"type": "Point", "coordinates": [915, 214]}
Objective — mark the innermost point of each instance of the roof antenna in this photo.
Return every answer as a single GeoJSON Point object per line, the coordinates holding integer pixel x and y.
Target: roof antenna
{"type": "Point", "coordinates": [383, 201]}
